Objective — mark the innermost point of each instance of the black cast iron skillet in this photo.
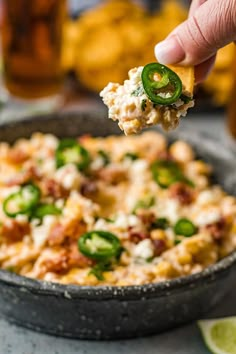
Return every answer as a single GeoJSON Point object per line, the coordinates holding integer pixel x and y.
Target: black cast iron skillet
{"type": "Point", "coordinates": [115, 312]}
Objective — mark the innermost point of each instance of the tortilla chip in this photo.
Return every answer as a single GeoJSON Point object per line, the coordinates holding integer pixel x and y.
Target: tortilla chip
{"type": "Point", "coordinates": [186, 74]}
{"type": "Point", "coordinates": [103, 49]}
{"type": "Point", "coordinates": [98, 79]}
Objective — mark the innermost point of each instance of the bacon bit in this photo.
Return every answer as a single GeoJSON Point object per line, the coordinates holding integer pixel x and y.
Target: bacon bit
{"type": "Point", "coordinates": [25, 176]}
{"type": "Point", "coordinates": [57, 235]}
{"type": "Point", "coordinates": [147, 217]}
{"type": "Point", "coordinates": [165, 155]}
{"type": "Point", "coordinates": [159, 246]}
{"type": "Point", "coordinates": [34, 172]}
{"type": "Point", "coordinates": [137, 236]}
{"type": "Point", "coordinates": [58, 264]}
{"type": "Point", "coordinates": [50, 187]}
{"type": "Point", "coordinates": [67, 259]}
{"type": "Point", "coordinates": [84, 138]}
{"type": "Point", "coordinates": [77, 259]}
{"type": "Point", "coordinates": [64, 234]}
{"type": "Point", "coordinates": [88, 188]}
{"type": "Point", "coordinates": [17, 156]}
{"type": "Point", "coordinates": [183, 193]}
{"type": "Point", "coordinates": [13, 231]}
{"type": "Point", "coordinates": [112, 174]}
{"type": "Point", "coordinates": [217, 229]}
{"type": "Point", "coordinates": [74, 229]}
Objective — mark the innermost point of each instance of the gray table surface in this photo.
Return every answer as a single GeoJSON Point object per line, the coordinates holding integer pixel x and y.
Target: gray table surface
{"type": "Point", "coordinates": [184, 340]}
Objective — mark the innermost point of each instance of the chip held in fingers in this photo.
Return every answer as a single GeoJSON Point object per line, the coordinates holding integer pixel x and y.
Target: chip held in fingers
{"type": "Point", "coordinates": [186, 75]}
{"type": "Point", "coordinates": [153, 94]}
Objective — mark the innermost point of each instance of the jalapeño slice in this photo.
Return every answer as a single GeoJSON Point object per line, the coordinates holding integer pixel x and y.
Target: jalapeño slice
{"type": "Point", "coordinates": [164, 91]}
{"type": "Point", "coordinates": [70, 151]}
{"type": "Point", "coordinates": [45, 209]}
{"type": "Point", "coordinates": [22, 202]}
{"type": "Point", "coordinates": [185, 227]}
{"type": "Point", "coordinates": [165, 173]}
{"type": "Point", "coordinates": [99, 245]}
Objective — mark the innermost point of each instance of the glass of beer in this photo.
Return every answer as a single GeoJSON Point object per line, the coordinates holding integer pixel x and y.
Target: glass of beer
{"type": "Point", "coordinates": [31, 46]}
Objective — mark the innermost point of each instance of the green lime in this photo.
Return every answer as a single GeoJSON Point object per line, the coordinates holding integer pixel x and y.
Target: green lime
{"type": "Point", "coordinates": [219, 334]}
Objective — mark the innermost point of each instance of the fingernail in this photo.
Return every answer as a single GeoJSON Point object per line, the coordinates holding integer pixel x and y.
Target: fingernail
{"type": "Point", "coordinates": [169, 51]}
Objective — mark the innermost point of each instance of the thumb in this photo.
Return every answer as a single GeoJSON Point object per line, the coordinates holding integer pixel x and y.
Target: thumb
{"type": "Point", "coordinates": [211, 26]}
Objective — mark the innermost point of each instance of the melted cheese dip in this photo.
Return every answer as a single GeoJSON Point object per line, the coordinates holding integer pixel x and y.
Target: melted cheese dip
{"type": "Point", "coordinates": [117, 193]}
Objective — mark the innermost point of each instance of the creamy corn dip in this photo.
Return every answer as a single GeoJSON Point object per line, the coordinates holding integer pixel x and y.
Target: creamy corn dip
{"type": "Point", "coordinates": [129, 105]}
{"type": "Point", "coordinates": [136, 188]}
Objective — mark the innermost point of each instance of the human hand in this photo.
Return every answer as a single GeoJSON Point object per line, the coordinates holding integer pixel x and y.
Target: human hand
{"type": "Point", "coordinates": [211, 25]}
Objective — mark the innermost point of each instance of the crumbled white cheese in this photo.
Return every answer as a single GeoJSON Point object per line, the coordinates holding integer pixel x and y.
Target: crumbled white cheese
{"type": "Point", "coordinates": [60, 203]}
{"type": "Point", "coordinates": [170, 234]}
{"type": "Point", "coordinates": [70, 181]}
{"type": "Point", "coordinates": [21, 218]}
{"type": "Point", "coordinates": [208, 216]}
{"type": "Point", "coordinates": [97, 163]}
{"type": "Point", "coordinates": [135, 76]}
{"type": "Point", "coordinates": [50, 141]}
{"type": "Point", "coordinates": [35, 222]}
{"type": "Point", "coordinates": [133, 220]}
{"type": "Point", "coordinates": [164, 95]}
{"type": "Point", "coordinates": [68, 176]}
{"type": "Point", "coordinates": [40, 233]}
{"type": "Point", "coordinates": [26, 194]}
{"type": "Point", "coordinates": [100, 224]}
{"type": "Point", "coordinates": [5, 192]}
{"type": "Point", "coordinates": [170, 210]}
{"type": "Point", "coordinates": [144, 249]}
{"type": "Point", "coordinates": [138, 179]}
{"type": "Point", "coordinates": [179, 103]}
{"type": "Point", "coordinates": [123, 221]}
{"type": "Point", "coordinates": [138, 167]}
{"type": "Point", "coordinates": [48, 166]}
{"type": "Point", "coordinates": [181, 152]}
{"type": "Point", "coordinates": [228, 205]}
{"type": "Point", "coordinates": [208, 197]}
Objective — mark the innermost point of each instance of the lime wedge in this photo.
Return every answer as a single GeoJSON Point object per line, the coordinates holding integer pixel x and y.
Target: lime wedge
{"type": "Point", "coordinates": [219, 334]}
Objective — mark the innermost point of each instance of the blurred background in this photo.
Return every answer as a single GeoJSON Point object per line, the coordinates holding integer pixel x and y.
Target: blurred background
{"type": "Point", "coordinates": [79, 46]}
{"type": "Point", "coordinates": [104, 39]}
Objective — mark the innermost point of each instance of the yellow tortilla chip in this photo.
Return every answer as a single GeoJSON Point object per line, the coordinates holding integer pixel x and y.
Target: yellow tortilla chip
{"type": "Point", "coordinates": [186, 74]}
{"type": "Point", "coordinates": [97, 79]}
{"type": "Point", "coordinates": [111, 12]}
{"type": "Point", "coordinates": [225, 57]}
{"type": "Point", "coordinates": [103, 49]}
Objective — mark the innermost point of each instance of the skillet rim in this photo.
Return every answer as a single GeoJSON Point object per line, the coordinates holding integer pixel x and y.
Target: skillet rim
{"type": "Point", "coordinates": [134, 292]}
